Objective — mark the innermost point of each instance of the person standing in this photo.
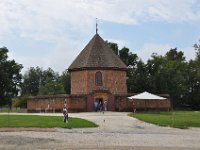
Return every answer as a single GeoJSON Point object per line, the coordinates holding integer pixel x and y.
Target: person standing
{"type": "Point", "coordinates": [100, 106]}
{"type": "Point", "coordinates": [105, 105]}
{"type": "Point", "coordinates": [134, 108]}
{"type": "Point", "coordinates": [65, 113]}
{"type": "Point", "coordinates": [96, 105]}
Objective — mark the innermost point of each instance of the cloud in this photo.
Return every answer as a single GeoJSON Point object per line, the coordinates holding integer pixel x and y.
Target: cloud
{"type": "Point", "coordinates": [149, 48]}
{"type": "Point", "coordinates": [28, 62]}
{"type": "Point", "coordinates": [65, 24]}
{"type": "Point", "coordinates": [58, 58]}
{"type": "Point", "coordinates": [161, 49]}
{"type": "Point", "coordinates": [63, 55]}
{"type": "Point", "coordinates": [189, 52]}
{"type": "Point", "coordinates": [49, 16]}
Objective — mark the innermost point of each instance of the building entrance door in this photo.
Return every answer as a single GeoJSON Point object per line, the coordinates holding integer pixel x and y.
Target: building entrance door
{"type": "Point", "coordinates": [105, 99]}
{"type": "Point", "coordinates": [98, 104]}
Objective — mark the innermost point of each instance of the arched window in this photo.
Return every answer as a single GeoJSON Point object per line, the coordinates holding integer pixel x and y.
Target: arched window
{"type": "Point", "coordinates": [98, 78]}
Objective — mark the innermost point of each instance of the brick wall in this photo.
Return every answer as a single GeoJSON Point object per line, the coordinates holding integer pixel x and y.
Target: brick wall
{"type": "Point", "coordinates": [45, 103]}
{"type": "Point", "coordinates": [82, 103]}
{"type": "Point", "coordinates": [55, 103]}
{"type": "Point", "coordinates": [83, 82]}
{"type": "Point", "coordinates": [77, 103]}
{"type": "Point", "coordinates": [78, 82]}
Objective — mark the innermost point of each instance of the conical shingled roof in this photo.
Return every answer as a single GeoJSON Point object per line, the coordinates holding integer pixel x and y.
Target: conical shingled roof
{"type": "Point", "coordinates": [97, 54]}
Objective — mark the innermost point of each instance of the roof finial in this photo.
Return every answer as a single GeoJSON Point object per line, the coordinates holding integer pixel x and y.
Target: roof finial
{"type": "Point", "coordinates": [96, 26]}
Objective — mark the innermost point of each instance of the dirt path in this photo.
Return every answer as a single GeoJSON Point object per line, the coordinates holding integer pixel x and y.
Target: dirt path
{"type": "Point", "coordinates": [116, 131]}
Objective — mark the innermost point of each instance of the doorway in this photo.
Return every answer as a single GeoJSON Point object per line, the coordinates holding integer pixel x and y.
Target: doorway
{"type": "Point", "coordinates": [98, 104]}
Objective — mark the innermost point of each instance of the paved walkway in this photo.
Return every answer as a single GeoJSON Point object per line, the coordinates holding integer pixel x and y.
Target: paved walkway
{"type": "Point", "coordinates": [116, 131]}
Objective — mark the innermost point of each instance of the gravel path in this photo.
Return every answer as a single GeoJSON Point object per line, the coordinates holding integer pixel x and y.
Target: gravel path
{"type": "Point", "coordinates": [116, 131]}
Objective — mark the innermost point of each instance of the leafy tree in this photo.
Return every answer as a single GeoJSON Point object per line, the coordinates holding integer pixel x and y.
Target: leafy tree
{"type": "Point", "coordinates": [124, 55]}
{"type": "Point", "coordinates": [164, 74]}
{"type": "Point", "coordinates": [48, 75]}
{"type": "Point", "coordinates": [173, 54]}
{"type": "Point", "coordinates": [157, 74]}
{"type": "Point", "coordinates": [39, 81]}
{"type": "Point", "coordinates": [197, 49]}
{"type": "Point", "coordinates": [10, 77]}
{"type": "Point", "coordinates": [114, 47]}
{"type": "Point", "coordinates": [51, 83]}
{"type": "Point", "coordinates": [193, 80]}
{"type": "Point", "coordinates": [140, 78]}
{"type": "Point", "coordinates": [21, 101]}
{"type": "Point", "coordinates": [66, 82]}
{"type": "Point", "coordinates": [31, 81]}
{"type": "Point", "coordinates": [192, 94]}
{"type": "Point", "coordinates": [167, 75]}
{"type": "Point", "coordinates": [52, 87]}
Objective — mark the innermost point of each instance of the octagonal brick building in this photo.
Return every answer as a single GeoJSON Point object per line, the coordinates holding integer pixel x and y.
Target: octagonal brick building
{"type": "Point", "coordinates": [99, 74]}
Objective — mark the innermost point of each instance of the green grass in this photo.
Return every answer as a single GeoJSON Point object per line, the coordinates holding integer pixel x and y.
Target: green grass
{"type": "Point", "coordinates": [17, 110]}
{"type": "Point", "coordinates": [10, 121]}
{"type": "Point", "coordinates": [177, 119]}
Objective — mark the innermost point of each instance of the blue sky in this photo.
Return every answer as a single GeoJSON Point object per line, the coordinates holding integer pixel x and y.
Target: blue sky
{"type": "Point", "coordinates": [51, 33]}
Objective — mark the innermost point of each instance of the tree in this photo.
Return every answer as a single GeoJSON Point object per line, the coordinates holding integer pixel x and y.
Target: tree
{"type": "Point", "coordinates": [20, 101]}
{"type": "Point", "coordinates": [39, 81]}
{"type": "Point", "coordinates": [32, 81]}
{"type": "Point", "coordinates": [197, 49]}
{"type": "Point", "coordinates": [114, 47]}
{"type": "Point", "coordinates": [167, 75]}
{"type": "Point", "coordinates": [173, 54]}
{"type": "Point", "coordinates": [139, 78]}
{"type": "Point", "coordinates": [51, 83]}
{"type": "Point", "coordinates": [193, 80]}
{"type": "Point", "coordinates": [192, 94]}
{"type": "Point", "coordinates": [66, 82]}
{"type": "Point", "coordinates": [52, 87]}
{"type": "Point", "coordinates": [10, 77]}
{"type": "Point", "coordinates": [156, 72]}
{"type": "Point", "coordinates": [124, 55]}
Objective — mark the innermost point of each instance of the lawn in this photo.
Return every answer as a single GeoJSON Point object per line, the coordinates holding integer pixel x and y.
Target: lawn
{"type": "Point", "coordinates": [42, 122]}
{"type": "Point", "coordinates": [18, 110]}
{"type": "Point", "coordinates": [177, 119]}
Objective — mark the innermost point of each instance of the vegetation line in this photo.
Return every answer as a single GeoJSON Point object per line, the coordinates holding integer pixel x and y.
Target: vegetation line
{"type": "Point", "coordinates": [176, 119]}
{"type": "Point", "coordinates": [11, 121]}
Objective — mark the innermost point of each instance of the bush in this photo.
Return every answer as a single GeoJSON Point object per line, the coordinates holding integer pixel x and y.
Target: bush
{"type": "Point", "coordinates": [20, 101]}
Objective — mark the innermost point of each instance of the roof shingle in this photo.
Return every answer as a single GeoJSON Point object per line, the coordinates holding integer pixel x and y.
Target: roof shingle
{"type": "Point", "coordinates": [97, 54]}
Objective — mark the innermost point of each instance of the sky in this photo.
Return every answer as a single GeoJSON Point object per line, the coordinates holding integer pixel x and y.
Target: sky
{"type": "Point", "coordinates": [49, 33]}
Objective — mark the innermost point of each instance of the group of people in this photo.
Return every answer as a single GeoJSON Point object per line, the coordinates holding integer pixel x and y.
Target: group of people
{"type": "Point", "coordinates": [99, 106]}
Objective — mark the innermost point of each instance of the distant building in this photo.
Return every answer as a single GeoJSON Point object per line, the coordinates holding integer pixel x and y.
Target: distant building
{"type": "Point", "coordinates": [98, 79]}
